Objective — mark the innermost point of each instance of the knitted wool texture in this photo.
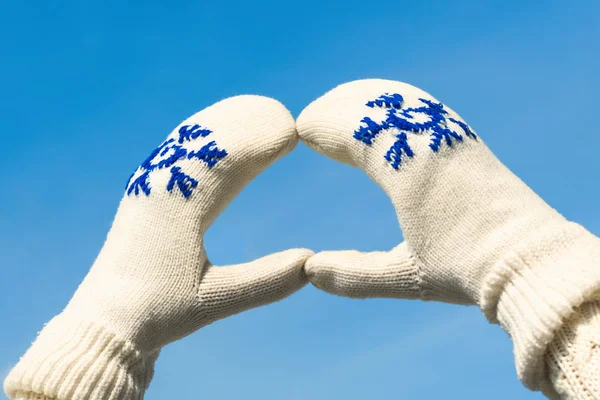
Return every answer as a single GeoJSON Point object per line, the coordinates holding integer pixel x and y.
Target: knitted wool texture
{"type": "Point", "coordinates": [152, 282]}
{"type": "Point", "coordinates": [474, 233]}
{"type": "Point", "coordinates": [573, 357]}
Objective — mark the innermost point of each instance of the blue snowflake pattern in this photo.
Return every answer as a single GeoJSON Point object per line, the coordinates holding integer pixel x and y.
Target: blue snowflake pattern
{"type": "Point", "coordinates": [170, 152]}
{"type": "Point", "coordinates": [403, 119]}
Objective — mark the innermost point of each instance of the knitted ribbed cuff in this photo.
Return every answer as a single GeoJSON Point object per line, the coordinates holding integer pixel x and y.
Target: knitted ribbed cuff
{"type": "Point", "coordinates": [534, 290]}
{"type": "Point", "coordinates": [72, 359]}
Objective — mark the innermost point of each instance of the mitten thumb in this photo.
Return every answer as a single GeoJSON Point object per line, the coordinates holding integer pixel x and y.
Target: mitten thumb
{"type": "Point", "coordinates": [229, 290]}
{"type": "Point", "coordinates": [393, 274]}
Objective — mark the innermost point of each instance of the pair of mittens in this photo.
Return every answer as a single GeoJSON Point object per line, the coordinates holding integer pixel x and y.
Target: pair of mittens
{"type": "Point", "coordinates": [474, 234]}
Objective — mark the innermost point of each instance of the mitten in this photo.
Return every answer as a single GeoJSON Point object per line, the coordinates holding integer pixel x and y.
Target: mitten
{"type": "Point", "coordinates": [152, 282]}
{"type": "Point", "coordinates": [474, 232]}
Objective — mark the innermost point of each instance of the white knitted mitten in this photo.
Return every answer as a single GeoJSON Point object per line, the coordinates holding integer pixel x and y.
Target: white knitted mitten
{"type": "Point", "coordinates": [474, 233]}
{"type": "Point", "coordinates": [152, 282]}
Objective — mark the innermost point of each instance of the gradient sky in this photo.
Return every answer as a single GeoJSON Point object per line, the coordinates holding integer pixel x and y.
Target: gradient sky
{"type": "Point", "coordinates": [89, 88]}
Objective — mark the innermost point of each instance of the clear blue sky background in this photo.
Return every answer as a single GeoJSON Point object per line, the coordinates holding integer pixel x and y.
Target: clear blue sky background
{"type": "Point", "coordinates": [89, 88]}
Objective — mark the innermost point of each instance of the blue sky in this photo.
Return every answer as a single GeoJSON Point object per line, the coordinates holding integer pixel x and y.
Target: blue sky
{"type": "Point", "coordinates": [89, 88]}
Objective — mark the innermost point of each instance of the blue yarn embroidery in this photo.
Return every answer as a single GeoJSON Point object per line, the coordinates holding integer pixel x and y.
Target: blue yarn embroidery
{"type": "Point", "coordinates": [170, 152]}
{"type": "Point", "coordinates": [140, 183]}
{"type": "Point", "coordinates": [209, 154]}
{"type": "Point", "coordinates": [403, 120]}
{"type": "Point", "coordinates": [184, 182]}
{"type": "Point", "coordinates": [189, 133]}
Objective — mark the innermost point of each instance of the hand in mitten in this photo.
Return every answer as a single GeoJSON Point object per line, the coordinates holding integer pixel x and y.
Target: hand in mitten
{"type": "Point", "coordinates": [474, 233]}
{"type": "Point", "coordinates": [152, 282]}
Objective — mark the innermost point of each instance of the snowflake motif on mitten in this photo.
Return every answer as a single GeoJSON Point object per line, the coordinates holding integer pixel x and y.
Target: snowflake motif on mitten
{"type": "Point", "coordinates": [169, 153]}
{"type": "Point", "coordinates": [403, 119]}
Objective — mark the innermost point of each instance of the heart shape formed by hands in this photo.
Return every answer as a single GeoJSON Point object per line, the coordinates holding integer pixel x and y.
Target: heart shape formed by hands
{"type": "Point", "coordinates": [475, 234]}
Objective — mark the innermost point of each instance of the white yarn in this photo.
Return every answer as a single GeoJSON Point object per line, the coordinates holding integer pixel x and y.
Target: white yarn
{"type": "Point", "coordinates": [474, 232]}
{"type": "Point", "coordinates": [152, 282]}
